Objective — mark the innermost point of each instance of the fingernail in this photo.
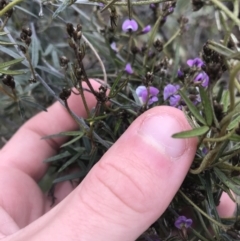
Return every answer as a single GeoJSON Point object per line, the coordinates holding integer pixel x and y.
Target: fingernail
{"type": "Point", "coordinates": [158, 130]}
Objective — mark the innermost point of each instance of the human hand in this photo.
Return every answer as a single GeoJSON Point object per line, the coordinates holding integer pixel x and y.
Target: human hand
{"type": "Point", "coordinates": [124, 193]}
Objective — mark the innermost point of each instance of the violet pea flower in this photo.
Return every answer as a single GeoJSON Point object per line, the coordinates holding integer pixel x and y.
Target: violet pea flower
{"type": "Point", "coordinates": [183, 222]}
{"type": "Point", "coordinates": [202, 78]}
{"type": "Point", "coordinates": [170, 90]}
{"type": "Point", "coordinates": [142, 93]}
{"type": "Point", "coordinates": [129, 25]}
{"type": "Point", "coordinates": [146, 29]}
{"type": "Point", "coordinates": [128, 68]}
{"type": "Point", "coordinates": [197, 62]}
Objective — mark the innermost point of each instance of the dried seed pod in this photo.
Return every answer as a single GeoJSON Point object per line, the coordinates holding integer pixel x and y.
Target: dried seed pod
{"type": "Point", "coordinates": [70, 29]}
{"type": "Point", "coordinates": [8, 80]}
{"type": "Point", "coordinates": [64, 61]}
{"type": "Point", "coordinates": [22, 48]}
{"type": "Point", "coordinates": [197, 4]}
{"type": "Point", "coordinates": [27, 31]}
{"type": "Point", "coordinates": [65, 94]}
{"type": "Point", "coordinates": [158, 45]}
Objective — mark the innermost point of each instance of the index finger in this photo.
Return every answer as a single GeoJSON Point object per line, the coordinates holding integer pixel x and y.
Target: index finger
{"type": "Point", "coordinates": [26, 150]}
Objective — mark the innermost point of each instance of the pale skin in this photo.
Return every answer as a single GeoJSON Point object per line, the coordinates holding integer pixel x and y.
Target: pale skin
{"type": "Point", "coordinates": [125, 192]}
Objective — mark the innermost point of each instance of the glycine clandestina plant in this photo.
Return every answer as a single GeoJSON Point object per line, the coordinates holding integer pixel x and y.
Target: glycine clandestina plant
{"type": "Point", "coordinates": [148, 53]}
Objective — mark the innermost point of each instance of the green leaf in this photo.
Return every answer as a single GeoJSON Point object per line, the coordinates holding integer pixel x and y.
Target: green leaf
{"type": "Point", "coordinates": [206, 103]}
{"type": "Point", "coordinates": [221, 49]}
{"type": "Point", "coordinates": [63, 6]}
{"type": "Point", "coordinates": [2, 33]}
{"type": "Point", "coordinates": [21, 110]}
{"type": "Point", "coordinates": [192, 108]}
{"type": "Point", "coordinates": [35, 48]}
{"type": "Point", "coordinates": [227, 181]}
{"type": "Point", "coordinates": [225, 100]}
{"type": "Point", "coordinates": [12, 72]}
{"type": "Point", "coordinates": [235, 138]}
{"type": "Point", "coordinates": [70, 161]}
{"type": "Point", "coordinates": [67, 133]}
{"type": "Point", "coordinates": [6, 43]}
{"type": "Point", "coordinates": [50, 71]}
{"type": "Point", "coordinates": [73, 140]}
{"type": "Point", "coordinates": [57, 157]}
{"type": "Point", "coordinates": [9, 52]}
{"type": "Point", "coordinates": [192, 133]}
{"type": "Point", "coordinates": [113, 90]}
{"type": "Point", "coordinates": [9, 63]}
{"type": "Point", "coordinates": [108, 5]}
{"type": "Point", "coordinates": [33, 104]}
{"type": "Point", "coordinates": [234, 123]}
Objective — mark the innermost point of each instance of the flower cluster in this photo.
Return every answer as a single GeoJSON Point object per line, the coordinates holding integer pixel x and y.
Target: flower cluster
{"type": "Point", "coordinates": [201, 77]}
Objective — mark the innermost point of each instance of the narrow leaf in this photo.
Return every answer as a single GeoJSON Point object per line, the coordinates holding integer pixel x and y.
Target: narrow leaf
{"type": "Point", "coordinates": [225, 100]}
{"type": "Point", "coordinates": [9, 63]}
{"type": "Point", "coordinates": [73, 140]}
{"type": "Point", "coordinates": [67, 133]}
{"type": "Point", "coordinates": [108, 5]}
{"type": "Point", "coordinates": [35, 48]}
{"type": "Point", "coordinates": [34, 104]}
{"type": "Point", "coordinates": [57, 157]}
{"type": "Point", "coordinates": [70, 161]}
{"type": "Point", "coordinates": [192, 133]}
{"type": "Point", "coordinates": [114, 86]}
{"type": "Point", "coordinates": [2, 33]}
{"type": "Point", "coordinates": [6, 43]}
{"type": "Point", "coordinates": [192, 108]}
{"type": "Point", "coordinates": [234, 123]}
{"type": "Point", "coordinates": [235, 138]}
{"type": "Point", "coordinates": [206, 103]}
{"type": "Point", "coordinates": [221, 49]}
{"type": "Point", "coordinates": [64, 5]}
{"type": "Point", "coordinates": [227, 181]}
{"type": "Point", "coordinates": [12, 72]}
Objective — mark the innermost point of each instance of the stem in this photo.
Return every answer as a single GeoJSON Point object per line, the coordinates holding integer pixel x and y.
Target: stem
{"type": "Point", "coordinates": [205, 161]}
{"type": "Point", "coordinates": [4, 23]}
{"type": "Point", "coordinates": [233, 74]}
{"type": "Point", "coordinates": [98, 57]}
{"type": "Point", "coordinates": [8, 94]}
{"type": "Point", "coordinates": [172, 38]}
{"type": "Point", "coordinates": [220, 139]}
{"type": "Point", "coordinates": [226, 11]}
{"type": "Point", "coordinates": [9, 6]}
{"type": "Point", "coordinates": [134, 3]}
{"type": "Point", "coordinates": [202, 212]}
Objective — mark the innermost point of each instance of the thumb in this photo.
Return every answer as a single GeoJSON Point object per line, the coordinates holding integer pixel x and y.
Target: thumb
{"type": "Point", "coordinates": [130, 187]}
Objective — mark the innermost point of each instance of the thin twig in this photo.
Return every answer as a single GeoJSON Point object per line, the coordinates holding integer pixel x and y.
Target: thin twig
{"type": "Point", "coordinates": [98, 57]}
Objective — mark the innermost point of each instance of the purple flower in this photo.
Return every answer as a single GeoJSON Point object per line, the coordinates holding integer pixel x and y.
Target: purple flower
{"type": "Point", "coordinates": [205, 151]}
{"type": "Point", "coordinates": [146, 29]}
{"type": "Point", "coordinates": [197, 62]}
{"type": "Point", "coordinates": [142, 93]}
{"type": "Point", "coordinates": [114, 46]}
{"type": "Point", "coordinates": [129, 25]}
{"type": "Point", "coordinates": [170, 90]}
{"type": "Point", "coordinates": [174, 100]}
{"type": "Point", "coordinates": [101, 5]}
{"type": "Point", "coordinates": [180, 74]}
{"type": "Point", "coordinates": [128, 68]}
{"type": "Point", "coordinates": [183, 222]}
{"type": "Point", "coordinates": [202, 78]}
